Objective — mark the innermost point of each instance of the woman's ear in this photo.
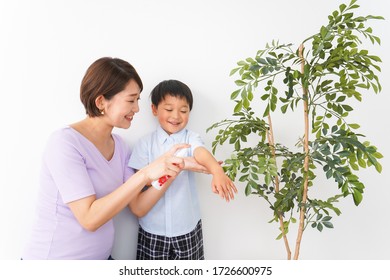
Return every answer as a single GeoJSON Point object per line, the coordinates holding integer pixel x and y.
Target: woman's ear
{"type": "Point", "coordinates": [100, 102]}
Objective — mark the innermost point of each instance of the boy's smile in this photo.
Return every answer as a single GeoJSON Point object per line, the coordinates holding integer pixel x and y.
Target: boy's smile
{"type": "Point", "coordinates": [172, 113]}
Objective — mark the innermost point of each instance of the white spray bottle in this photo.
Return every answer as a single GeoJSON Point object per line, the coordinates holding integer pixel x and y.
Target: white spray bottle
{"type": "Point", "coordinates": [157, 184]}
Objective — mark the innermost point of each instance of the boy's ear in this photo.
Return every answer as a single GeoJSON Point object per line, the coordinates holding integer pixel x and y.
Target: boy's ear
{"type": "Point", "coordinates": [154, 110]}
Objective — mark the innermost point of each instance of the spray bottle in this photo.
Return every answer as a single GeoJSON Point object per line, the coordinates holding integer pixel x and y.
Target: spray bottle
{"type": "Point", "coordinates": [157, 184]}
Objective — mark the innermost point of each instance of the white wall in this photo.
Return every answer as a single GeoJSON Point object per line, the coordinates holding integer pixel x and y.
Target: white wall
{"type": "Point", "coordinates": [46, 46]}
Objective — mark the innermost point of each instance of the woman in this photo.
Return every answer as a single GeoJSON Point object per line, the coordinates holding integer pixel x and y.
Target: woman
{"type": "Point", "coordinates": [84, 179]}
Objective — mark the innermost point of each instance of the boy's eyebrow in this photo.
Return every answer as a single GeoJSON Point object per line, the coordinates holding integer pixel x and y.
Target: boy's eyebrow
{"type": "Point", "coordinates": [170, 104]}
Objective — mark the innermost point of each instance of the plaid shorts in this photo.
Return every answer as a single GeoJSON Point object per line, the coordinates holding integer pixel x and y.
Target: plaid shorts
{"type": "Point", "coordinates": [184, 247]}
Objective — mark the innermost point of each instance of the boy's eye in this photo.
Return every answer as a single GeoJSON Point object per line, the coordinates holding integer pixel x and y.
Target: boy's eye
{"type": "Point", "coordinates": [184, 112]}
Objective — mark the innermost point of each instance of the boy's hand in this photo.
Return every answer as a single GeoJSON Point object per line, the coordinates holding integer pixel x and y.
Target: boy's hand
{"type": "Point", "coordinates": [223, 186]}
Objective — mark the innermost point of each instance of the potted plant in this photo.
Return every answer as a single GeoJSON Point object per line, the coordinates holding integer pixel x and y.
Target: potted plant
{"type": "Point", "coordinates": [320, 77]}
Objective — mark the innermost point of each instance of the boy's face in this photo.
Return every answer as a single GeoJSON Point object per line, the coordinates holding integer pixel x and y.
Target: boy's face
{"type": "Point", "coordinates": [172, 113]}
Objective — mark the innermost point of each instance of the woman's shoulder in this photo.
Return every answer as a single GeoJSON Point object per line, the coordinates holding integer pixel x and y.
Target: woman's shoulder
{"type": "Point", "coordinates": [64, 134]}
{"type": "Point", "coordinates": [62, 140]}
{"type": "Point", "coordinates": [61, 133]}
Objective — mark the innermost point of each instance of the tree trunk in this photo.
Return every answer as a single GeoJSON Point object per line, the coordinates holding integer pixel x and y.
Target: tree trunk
{"type": "Point", "coordinates": [271, 141]}
{"type": "Point", "coordinates": [306, 162]}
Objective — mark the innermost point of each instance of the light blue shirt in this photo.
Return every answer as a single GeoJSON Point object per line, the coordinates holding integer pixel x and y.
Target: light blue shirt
{"type": "Point", "coordinates": [177, 212]}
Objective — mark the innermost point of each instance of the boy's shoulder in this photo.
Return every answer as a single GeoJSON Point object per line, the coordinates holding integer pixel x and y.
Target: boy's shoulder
{"type": "Point", "coordinates": [191, 134]}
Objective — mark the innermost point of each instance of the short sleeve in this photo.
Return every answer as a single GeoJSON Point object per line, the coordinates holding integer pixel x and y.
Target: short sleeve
{"type": "Point", "coordinates": [67, 167]}
{"type": "Point", "coordinates": [139, 157]}
{"type": "Point", "coordinates": [195, 141]}
{"type": "Point", "coordinates": [125, 153]}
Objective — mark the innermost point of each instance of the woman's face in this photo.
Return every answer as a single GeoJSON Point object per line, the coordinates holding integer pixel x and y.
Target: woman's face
{"type": "Point", "coordinates": [121, 109]}
{"type": "Point", "coordinates": [172, 113]}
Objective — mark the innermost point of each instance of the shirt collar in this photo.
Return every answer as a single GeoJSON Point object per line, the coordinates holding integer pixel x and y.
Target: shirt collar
{"type": "Point", "coordinates": [162, 136]}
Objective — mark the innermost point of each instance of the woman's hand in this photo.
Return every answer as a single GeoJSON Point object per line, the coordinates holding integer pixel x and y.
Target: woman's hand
{"type": "Point", "coordinates": [167, 164]}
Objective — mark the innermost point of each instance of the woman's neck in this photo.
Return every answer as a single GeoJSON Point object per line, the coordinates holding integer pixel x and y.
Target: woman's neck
{"type": "Point", "coordinates": [94, 129]}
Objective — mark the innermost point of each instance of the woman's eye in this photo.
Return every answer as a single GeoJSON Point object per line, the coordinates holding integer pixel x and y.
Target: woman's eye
{"type": "Point", "coordinates": [132, 101]}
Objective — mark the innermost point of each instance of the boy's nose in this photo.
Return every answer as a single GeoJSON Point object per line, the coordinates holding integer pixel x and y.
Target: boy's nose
{"type": "Point", "coordinates": [175, 114]}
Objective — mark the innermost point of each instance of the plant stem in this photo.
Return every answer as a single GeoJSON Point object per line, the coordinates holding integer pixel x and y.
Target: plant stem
{"type": "Point", "coordinates": [271, 141]}
{"type": "Point", "coordinates": [306, 163]}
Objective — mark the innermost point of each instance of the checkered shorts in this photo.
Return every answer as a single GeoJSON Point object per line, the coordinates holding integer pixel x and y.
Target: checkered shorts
{"type": "Point", "coordinates": [184, 247]}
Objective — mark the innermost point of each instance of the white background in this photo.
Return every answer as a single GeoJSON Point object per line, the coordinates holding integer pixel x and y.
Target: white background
{"type": "Point", "coordinates": [46, 47]}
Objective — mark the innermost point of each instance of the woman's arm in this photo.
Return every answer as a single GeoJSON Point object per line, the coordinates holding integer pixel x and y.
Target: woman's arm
{"type": "Point", "coordinates": [92, 213]}
{"type": "Point", "coordinates": [141, 204]}
{"type": "Point", "coordinates": [221, 183]}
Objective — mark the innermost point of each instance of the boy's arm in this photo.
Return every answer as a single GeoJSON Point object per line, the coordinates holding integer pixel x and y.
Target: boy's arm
{"type": "Point", "coordinates": [221, 183]}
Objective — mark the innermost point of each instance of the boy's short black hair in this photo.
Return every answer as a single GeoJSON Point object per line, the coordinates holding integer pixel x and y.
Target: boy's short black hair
{"type": "Point", "coordinates": [172, 87]}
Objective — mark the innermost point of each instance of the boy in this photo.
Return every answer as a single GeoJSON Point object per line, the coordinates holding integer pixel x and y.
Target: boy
{"type": "Point", "coordinates": [172, 228]}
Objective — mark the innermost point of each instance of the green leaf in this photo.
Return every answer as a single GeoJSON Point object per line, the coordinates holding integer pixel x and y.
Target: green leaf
{"type": "Point", "coordinates": [266, 111]}
{"type": "Point", "coordinates": [329, 174]}
{"type": "Point", "coordinates": [362, 163]}
{"type": "Point", "coordinates": [347, 108]}
{"type": "Point", "coordinates": [342, 7]}
{"type": "Point", "coordinates": [354, 125]}
{"type": "Point", "coordinates": [326, 219]}
{"type": "Point", "coordinates": [378, 167]}
{"type": "Point", "coordinates": [377, 155]}
{"type": "Point", "coordinates": [234, 71]}
{"type": "Point", "coordinates": [240, 83]}
{"type": "Point", "coordinates": [238, 107]}
{"type": "Point", "coordinates": [248, 190]}
{"type": "Point", "coordinates": [267, 178]}
{"type": "Point", "coordinates": [357, 197]}
{"type": "Point", "coordinates": [237, 146]}
{"type": "Point", "coordinates": [235, 94]}
{"type": "Point", "coordinates": [264, 96]}
{"type": "Point", "coordinates": [328, 224]}
{"type": "Point", "coordinates": [250, 95]}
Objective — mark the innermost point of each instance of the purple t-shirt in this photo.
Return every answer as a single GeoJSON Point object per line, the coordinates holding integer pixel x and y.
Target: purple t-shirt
{"type": "Point", "coordinates": [73, 168]}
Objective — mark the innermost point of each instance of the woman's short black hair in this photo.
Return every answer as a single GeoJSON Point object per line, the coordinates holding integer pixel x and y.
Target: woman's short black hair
{"type": "Point", "coordinates": [107, 76]}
